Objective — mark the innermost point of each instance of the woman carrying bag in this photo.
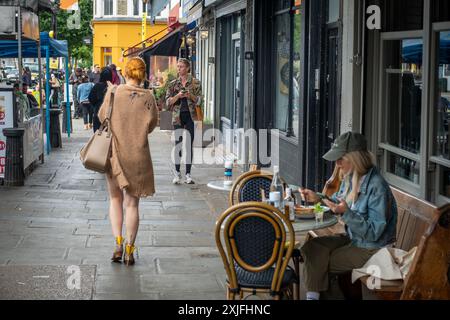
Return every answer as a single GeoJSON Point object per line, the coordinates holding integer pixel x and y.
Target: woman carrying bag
{"type": "Point", "coordinates": [130, 176]}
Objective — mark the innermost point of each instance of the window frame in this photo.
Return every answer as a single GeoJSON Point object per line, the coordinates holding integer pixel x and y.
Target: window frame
{"type": "Point", "coordinates": [383, 147]}
{"type": "Point", "coordinates": [436, 162]}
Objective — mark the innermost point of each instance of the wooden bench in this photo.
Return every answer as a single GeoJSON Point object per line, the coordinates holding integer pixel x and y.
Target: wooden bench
{"type": "Point", "coordinates": [420, 224]}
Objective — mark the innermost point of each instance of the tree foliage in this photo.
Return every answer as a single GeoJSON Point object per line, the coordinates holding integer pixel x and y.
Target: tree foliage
{"type": "Point", "coordinates": [74, 35]}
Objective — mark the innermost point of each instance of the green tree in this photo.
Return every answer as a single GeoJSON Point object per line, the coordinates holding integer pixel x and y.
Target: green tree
{"type": "Point", "coordinates": [74, 35]}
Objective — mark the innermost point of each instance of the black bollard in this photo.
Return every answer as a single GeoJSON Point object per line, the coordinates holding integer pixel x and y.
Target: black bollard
{"type": "Point", "coordinates": [14, 175]}
{"type": "Point", "coordinates": [55, 128]}
{"type": "Point", "coordinates": [64, 124]}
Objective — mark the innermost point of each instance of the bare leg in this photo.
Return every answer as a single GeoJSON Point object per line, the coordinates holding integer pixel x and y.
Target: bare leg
{"type": "Point", "coordinates": [132, 217]}
{"type": "Point", "coordinates": [115, 206]}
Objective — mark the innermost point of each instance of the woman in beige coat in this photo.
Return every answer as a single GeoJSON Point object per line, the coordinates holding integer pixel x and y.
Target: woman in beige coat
{"type": "Point", "coordinates": [130, 176]}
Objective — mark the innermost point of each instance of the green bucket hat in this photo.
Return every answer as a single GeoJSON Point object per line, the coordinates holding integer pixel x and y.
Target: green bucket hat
{"type": "Point", "coordinates": [345, 143]}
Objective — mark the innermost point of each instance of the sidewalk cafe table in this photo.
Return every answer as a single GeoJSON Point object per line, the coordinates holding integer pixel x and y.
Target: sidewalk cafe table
{"type": "Point", "coordinates": [219, 185]}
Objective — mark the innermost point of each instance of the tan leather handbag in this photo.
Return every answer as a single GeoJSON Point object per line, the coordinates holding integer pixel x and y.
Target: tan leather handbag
{"type": "Point", "coordinates": [96, 153]}
{"type": "Point", "coordinates": [199, 112]}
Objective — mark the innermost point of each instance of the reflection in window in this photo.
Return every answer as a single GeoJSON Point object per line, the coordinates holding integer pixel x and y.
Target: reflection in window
{"type": "Point", "coordinates": [442, 113]}
{"type": "Point", "coordinates": [296, 75]}
{"type": "Point", "coordinates": [403, 93]}
{"type": "Point", "coordinates": [405, 168]}
{"type": "Point", "coordinates": [282, 64]}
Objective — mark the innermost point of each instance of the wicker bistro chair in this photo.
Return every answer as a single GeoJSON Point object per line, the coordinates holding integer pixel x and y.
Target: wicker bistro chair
{"type": "Point", "coordinates": [247, 187]}
{"type": "Point", "coordinates": [251, 238]}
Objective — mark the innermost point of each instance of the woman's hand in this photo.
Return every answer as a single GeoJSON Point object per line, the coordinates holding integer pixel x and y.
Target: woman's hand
{"type": "Point", "coordinates": [338, 208]}
{"type": "Point", "coordinates": [308, 195]}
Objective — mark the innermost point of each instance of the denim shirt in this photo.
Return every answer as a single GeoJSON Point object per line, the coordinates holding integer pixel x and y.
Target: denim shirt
{"type": "Point", "coordinates": [372, 219]}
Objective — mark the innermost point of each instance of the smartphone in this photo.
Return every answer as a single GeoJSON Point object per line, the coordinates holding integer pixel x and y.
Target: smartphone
{"type": "Point", "coordinates": [324, 196]}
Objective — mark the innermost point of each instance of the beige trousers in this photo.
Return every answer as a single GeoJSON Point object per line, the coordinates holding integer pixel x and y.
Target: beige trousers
{"type": "Point", "coordinates": [332, 254]}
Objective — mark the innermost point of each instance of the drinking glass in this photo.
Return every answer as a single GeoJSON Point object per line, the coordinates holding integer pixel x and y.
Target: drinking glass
{"type": "Point", "coordinates": [319, 216]}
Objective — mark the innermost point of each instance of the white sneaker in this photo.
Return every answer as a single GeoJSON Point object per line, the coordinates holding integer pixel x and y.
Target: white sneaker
{"type": "Point", "coordinates": [177, 178]}
{"type": "Point", "coordinates": [189, 179]}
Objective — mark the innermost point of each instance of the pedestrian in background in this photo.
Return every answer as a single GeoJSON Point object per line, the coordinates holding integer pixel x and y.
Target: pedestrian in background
{"type": "Point", "coordinates": [115, 76]}
{"type": "Point", "coordinates": [75, 80]}
{"type": "Point", "coordinates": [183, 95]}
{"type": "Point", "coordinates": [130, 176]}
{"type": "Point", "coordinates": [56, 86]}
{"type": "Point", "coordinates": [97, 94]}
{"type": "Point", "coordinates": [95, 74]}
{"type": "Point", "coordinates": [119, 73]}
{"type": "Point", "coordinates": [83, 91]}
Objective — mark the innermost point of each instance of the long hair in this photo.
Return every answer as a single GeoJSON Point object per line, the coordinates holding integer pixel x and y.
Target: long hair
{"type": "Point", "coordinates": [361, 162]}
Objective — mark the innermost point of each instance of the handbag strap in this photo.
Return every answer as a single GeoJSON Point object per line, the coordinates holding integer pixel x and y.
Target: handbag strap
{"type": "Point", "coordinates": [111, 103]}
{"type": "Point", "coordinates": [106, 122]}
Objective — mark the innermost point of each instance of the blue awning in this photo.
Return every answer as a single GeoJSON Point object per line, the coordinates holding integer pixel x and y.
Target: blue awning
{"type": "Point", "coordinates": [58, 48]}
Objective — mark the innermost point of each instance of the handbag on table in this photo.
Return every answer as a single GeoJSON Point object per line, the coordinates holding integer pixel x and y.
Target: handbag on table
{"type": "Point", "coordinates": [96, 153]}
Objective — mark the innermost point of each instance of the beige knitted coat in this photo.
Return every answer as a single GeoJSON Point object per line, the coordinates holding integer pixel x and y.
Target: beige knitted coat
{"type": "Point", "coordinates": [134, 116]}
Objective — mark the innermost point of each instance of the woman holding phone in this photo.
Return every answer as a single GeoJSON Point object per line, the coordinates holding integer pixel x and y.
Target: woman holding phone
{"type": "Point", "coordinates": [183, 95]}
{"type": "Point", "coordinates": [368, 210]}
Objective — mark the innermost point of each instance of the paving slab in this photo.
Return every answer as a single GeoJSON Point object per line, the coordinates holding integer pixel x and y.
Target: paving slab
{"type": "Point", "coordinates": [47, 282]}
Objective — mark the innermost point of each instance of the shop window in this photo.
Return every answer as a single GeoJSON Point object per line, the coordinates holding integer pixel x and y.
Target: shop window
{"type": "Point", "coordinates": [296, 77]}
{"type": "Point", "coordinates": [108, 8]}
{"type": "Point", "coordinates": [442, 103]}
{"type": "Point", "coordinates": [334, 7]}
{"type": "Point", "coordinates": [282, 70]}
{"type": "Point", "coordinates": [441, 10]}
{"type": "Point", "coordinates": [404, 167]}
{"type": "Point", "coordinates": [402, 76]}
{"type": "Point", "coordinates": [401, 15]}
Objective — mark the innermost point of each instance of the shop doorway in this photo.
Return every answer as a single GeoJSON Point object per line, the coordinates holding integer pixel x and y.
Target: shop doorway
{"type": "Point", "coordinates": [331, 97]}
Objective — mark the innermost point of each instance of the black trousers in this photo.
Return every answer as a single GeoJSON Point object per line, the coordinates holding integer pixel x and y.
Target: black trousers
{"type": "Point", "coordinates": [96, 121]}
{"type": "Point", "coordinates": [188, 124]}
{"type": "Point", "coordinates": [88, 112]}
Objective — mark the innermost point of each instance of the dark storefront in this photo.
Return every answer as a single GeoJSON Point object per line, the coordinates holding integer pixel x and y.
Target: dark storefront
{"type": "Point", "coordinates": [230, 39]}
{"type": "Point", "coordinates": [297, 91]}
{"type": "Point", "coordinates": [407, 96]}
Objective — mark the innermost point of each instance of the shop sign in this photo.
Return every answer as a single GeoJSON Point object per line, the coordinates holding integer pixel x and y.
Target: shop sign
{"type": "Point", "coordinates": [32, 140]}
{"type": "Point", "coordinates": [6, 121]}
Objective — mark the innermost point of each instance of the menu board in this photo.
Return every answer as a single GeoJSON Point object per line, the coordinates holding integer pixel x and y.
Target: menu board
{"type": "Point", "coordinates": [6, 121]}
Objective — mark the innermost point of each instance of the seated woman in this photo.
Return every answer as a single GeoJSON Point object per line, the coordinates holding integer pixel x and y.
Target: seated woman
{"type": "Point", "coordinates": [367, 207]}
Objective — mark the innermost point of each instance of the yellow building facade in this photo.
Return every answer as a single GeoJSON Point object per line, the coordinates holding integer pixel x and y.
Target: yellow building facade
{"type": "Point", "coordinates": [112, 37]}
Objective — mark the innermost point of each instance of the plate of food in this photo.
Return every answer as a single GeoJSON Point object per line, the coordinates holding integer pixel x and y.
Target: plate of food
{"type": "Point", "coordinates": [308, 212]}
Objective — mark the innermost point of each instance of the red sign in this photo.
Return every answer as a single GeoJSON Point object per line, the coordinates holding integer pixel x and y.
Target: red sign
{"type": "Point", "coordinates": [2, 145]}
{"type": "Point", "coordinates": [2, 165]}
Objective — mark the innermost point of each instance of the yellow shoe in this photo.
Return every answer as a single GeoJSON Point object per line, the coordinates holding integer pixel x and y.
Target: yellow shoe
{"type": "Point", "coordinates": [118, 252]}
{"type": "Point", "coordinates": [128, 258]}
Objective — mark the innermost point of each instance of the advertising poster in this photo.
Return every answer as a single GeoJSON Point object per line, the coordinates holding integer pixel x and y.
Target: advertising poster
{"type": "Point", "coordinates": [6, 121]}
{"type": "Point", "coordinates": [32, 140]}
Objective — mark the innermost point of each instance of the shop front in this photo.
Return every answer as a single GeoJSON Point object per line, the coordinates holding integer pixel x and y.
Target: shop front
{"type": "Point", "coordinates": [407, 96]}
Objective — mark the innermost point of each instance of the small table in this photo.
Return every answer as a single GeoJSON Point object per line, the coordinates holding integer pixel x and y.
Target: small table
{"type": "Point", "coordinates": [219, 185]}
{"type": "Point", "coordinates": [303, 225]}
